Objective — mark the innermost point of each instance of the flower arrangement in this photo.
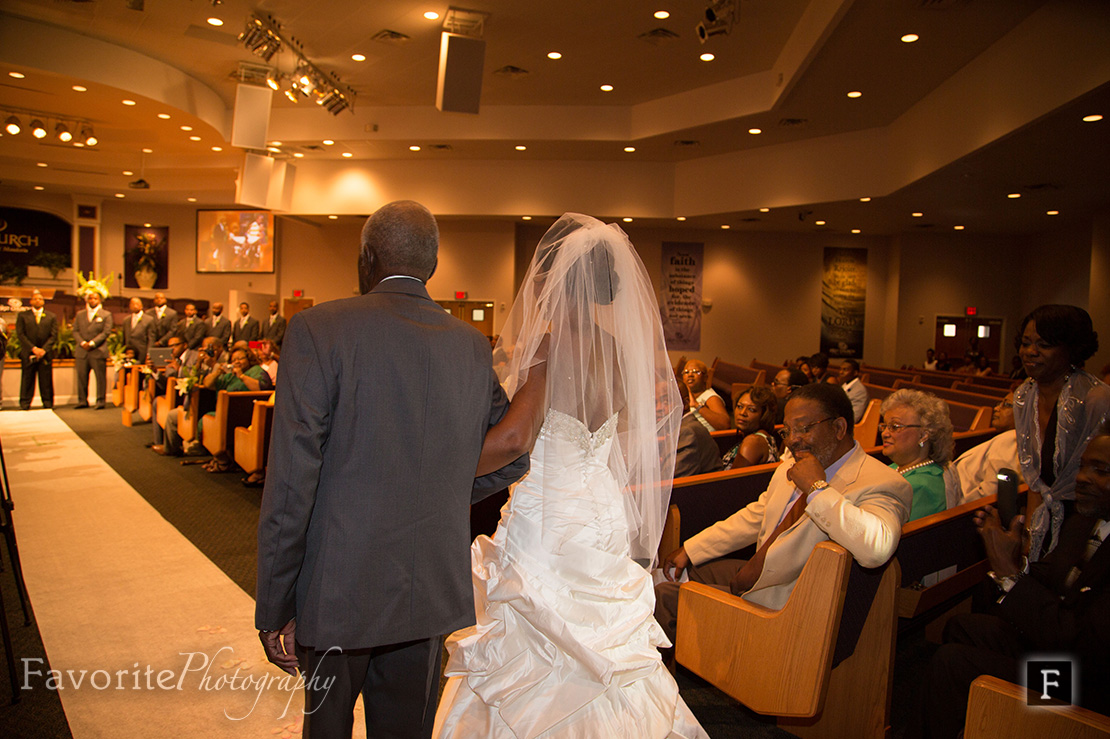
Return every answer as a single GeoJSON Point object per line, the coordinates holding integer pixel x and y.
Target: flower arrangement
{"type": "Point", "coordinates": [145, 253]}
{"type": "Point", "coordinates": [99, 285]}
{"type": "Point", "coordinates": [187, 381]}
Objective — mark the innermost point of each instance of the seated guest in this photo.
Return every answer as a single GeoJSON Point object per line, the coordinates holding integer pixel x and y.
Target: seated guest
{"type": "Point", "coordinates": [268, 359]}
{"type": "Point", "coordinates": [755, 420]}
{"type": "Point", "coordinates": [191, 328]}
{"type": "Point", "coordinates": [943, 364]}
{"type": "Point", "coordinates": [983, 366]}
{"type": "Point", "coordinates": [697, 451]}
{"type": "Point", "coordinates": [785, 383]}
{"type": "Point", "coordinates": [819, 368]}
{"type": "Point", "coordinates": [917, 438]}
{"type": "Point", "coordinates": [243, 373]}
{"type": "Point", "coordinates": [1058, 606]}
{"type": "Point", "coordinates": [802, 365]}
{"type": "Point", "coordinates": [705, 405]}
{"type": "Point", "coordinates": [930, 359]}
{"type": "Point", "coordinates": [184, 361]}
{"type": "Point", "coordinates": [828, 489]}
{"type": "Point", "coordinates": [974, 474]}
{"type": "Point", "coordinates": [857, 393]}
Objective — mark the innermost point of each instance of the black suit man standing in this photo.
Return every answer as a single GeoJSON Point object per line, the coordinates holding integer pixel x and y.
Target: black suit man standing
{"type": "Point", "coordinates": [91, 329]}
{"type": "Point", "coordinates": [245, 328]}
{"type": "Point", "coordinates": [165, 320]}
{"type": "Point", "coordinates": [37, 330]}
{"type": "Point", "coordinates": [192, 329]}
{"type": "Point", "coordinates": [274, 327]}
{"type": "Point", "coordinates": [138, 330]}
{"type": "Point", "coordinates": [383, 402]}
{"type": "Point", "coordinates": [217, 323]}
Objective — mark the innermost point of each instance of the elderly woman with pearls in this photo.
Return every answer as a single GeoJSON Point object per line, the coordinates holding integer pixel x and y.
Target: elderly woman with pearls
{"type": "Point", "coordinates": [917, 438]}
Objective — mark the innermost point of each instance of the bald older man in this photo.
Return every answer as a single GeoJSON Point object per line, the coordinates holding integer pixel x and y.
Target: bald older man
{"type": "Point", "coordinates": [138, 330]}
{"type": "Point", "coordinates": [165, 320]}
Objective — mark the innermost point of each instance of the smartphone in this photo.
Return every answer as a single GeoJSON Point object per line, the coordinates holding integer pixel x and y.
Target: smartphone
{"type": "Point", "coordinates": [1007, 496]}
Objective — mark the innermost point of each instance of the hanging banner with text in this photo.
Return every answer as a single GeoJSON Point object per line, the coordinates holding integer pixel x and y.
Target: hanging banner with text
{"type": "Point", "coordinates": [32, 238]}
{"type": "Point", "coordinates": [843, 296]}
{"type": "Point", "coordinates": [681, 270]}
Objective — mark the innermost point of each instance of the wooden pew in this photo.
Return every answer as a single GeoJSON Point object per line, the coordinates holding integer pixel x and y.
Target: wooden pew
{"type": "Point", "coordinates": [117, 388]}
{"type": "Point", "coordinates": [252, 443]}
{"type": "Point", "coordinates": [950, 394]}
{"type": "Point", "coordinates": [877, 376]}
{"type": "Point", "coordinates": [770, 369]}
{"type": "Point", "coordinates": [987, 390]}
{"type": "Point", "coordinates": [723, 375]}
{"type": "Point", "coordinates": [233, 408]}
{"type": "Point", "coordinates": [995, 381]}
{"type": "Point", "coordinates": [867, 430]}
{"type": "Point", "coordinates": [706, 499]}
{"type": "Point", "coordinates": [969, 417]}
{"type": "Point", "coordinates": [997, 708]}
{"type": "Point", "coordinates": [132, 378]}
{"type": "Point", "coordinates": [188, 422]}
{"type": "Point", "coordinates": [798, 663]}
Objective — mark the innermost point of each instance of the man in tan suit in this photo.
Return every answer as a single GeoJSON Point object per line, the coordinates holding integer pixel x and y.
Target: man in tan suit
{"type": "Point", "coordinates": [843, 494]}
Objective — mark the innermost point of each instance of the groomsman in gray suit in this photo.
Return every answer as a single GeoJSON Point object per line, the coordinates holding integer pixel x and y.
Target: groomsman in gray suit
{"type": "Point", "coordinates": [138, 329]}
{"type": "Point", "coordinates": [165, 320]}
{"type": "Point", "coordinates": [274, 326]}
{"type": "Point", "coordinates": [218, 324]}
{"type": "Point", "coordinates": [383, 402]}
{"type": "Point", "coordinates": [245, 327]}
{"type": "Point", "coordinates": [91, 329]}
{"type": "Point", "coordinates": [191, 328]}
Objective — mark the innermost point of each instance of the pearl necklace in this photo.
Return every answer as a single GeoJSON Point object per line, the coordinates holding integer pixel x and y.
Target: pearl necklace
{"type": "Point", "coordinates": [925, 463]}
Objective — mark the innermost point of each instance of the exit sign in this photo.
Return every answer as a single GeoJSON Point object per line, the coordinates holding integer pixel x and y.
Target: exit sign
{"type": "Point", "coordinates": [970, 310]}
{"type": "Point", "coordinates": [460, 295]}
{"type": "Point", "coordinates": [298, 293]}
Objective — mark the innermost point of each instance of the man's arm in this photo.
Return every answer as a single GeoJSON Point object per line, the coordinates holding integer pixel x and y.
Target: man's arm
{"type": "Point", "coordinates": [499, 479]}
{"type": "Point", "coordinates": [735, 532]}
{"type": "Point", "coordinates": [105, 329]}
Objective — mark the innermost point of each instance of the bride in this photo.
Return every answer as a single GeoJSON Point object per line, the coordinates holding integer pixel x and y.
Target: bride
{"type": "Point", "coordinates": [566, 643]}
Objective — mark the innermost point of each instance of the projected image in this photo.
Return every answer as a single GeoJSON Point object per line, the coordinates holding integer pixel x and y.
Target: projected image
{"type": "Point", "coordinates": [235, 241]}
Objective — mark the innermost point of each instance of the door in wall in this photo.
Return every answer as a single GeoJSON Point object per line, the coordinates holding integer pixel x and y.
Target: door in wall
{"type": "Point", "coordinates": [956, 336]}
{"type": "Point", "coordinates": [478, 313]}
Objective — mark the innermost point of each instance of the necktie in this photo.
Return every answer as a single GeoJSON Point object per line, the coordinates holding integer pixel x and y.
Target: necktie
{"type": "Point", "coordinates": [135, 320]}
{"type": "Point", "coordinates": [38, 316]}
{"type": "Point", "coordinates": [743, 581]}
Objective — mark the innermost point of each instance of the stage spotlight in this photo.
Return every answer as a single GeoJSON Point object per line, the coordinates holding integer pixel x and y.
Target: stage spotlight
{"type": "Point", "coordinates": [12, 125]}
{"type": "Point", "coordinates": [88, 136]}
{"type": "Point", "coordinates": [37, 129]}
{"type": "Point", "coordinates": [62, 132]}
{"type": "Point", "coordinates": [273, 80]}
{"type": "Point", "coordinates": [720, 15]}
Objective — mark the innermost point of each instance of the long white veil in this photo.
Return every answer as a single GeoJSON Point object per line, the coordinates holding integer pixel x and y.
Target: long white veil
{"type": "Point", "coordinates": [587, 289]}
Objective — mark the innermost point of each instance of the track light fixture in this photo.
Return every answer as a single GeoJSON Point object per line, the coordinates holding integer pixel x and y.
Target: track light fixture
{"type": "Point", "coordinates": [12, 125]}
{"type": "Point", "coordinates": [37, 129]}
{"type": "Point", "coordinates": [88, 136]}
{"type": "Point", "coordinates": [42, 123]}
{"type": "Point", "coordinates": [720, 15]}
{"type": "Point", "coordinates": [62, 132]}
{"type": "Point", "coordinates": [263, 36]}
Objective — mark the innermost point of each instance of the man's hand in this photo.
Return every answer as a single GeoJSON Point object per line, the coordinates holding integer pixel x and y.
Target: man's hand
{"type": "Point", "coordinates": [1003, 546]}
{"type": "Point", "coordinates": [805, 472]}
{"type": "Point", "coordinates": [38, 352]}
{"type": "Point", "coordinates": [675, 563]}
{"type": "Point", "coordinates": [279, 646]}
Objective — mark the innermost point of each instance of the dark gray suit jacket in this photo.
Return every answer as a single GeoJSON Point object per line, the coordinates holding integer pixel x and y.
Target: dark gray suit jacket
{"type": "Point", "coordinates": [96, 332]}
{"type": "Point", "coordinates": [139, 338]}
{"type": "Point", "coordinates": [275, 331]}
{"type": "Point", "coordinates": [193, 335]}
{"type": "Point", "coordinates": [221, 329]}
{"type": "Point", "coordinates": [43, 334]}
{"type": "Point", "coordinates": [164, 327]}
{"type": "Point", "coordinates": [249, 332]}
{"type": "Point", "coordinates": [383, 402]}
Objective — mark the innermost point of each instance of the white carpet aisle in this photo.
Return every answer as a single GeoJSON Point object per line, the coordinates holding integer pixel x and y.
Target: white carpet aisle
{"type": "Point", "coordinates": [123, 597]}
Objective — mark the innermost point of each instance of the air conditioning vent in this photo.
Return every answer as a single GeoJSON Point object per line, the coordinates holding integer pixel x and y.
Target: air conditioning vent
{"type": "Point", "coordinates": [512, 72]}
{"type": "Point", "coordinates": [658, 36]}
{"type": "Point", "coordinates": [392, 38]}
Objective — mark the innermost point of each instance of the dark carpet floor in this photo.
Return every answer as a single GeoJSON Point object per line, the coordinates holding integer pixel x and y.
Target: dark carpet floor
{"type": "Point", "coordinates": [219, 516]}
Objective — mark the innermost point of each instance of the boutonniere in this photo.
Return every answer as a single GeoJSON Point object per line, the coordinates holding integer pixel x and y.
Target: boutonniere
{"type": "Point", "coordinates": [98, 319]}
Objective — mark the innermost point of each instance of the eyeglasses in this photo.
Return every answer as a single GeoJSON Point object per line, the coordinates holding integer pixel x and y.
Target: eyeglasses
{"type": "Point", "coordinates": [693, 372]}
{"type": "Point", "coordinates": [788, 433]}
{"type": "Point", "coordinates": [894, 428]}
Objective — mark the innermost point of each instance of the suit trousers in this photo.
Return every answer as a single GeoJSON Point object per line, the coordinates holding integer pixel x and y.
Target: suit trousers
{"type": "Point", "coordinates": [43, 370]}
{"type": "Point", "coordinates": [99, 366]}
{"type": "Point", "coordinates": [399, 684]}
{"type": "Point", "coordinates": [716, 572]}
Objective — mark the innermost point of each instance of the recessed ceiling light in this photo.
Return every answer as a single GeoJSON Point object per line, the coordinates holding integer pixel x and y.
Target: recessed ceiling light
{"type": "Point", "coordinates": [431, 15]}
{"type": "Point", "coordinates": [606, 88]}
{"type": "Point", "coordinates": [764, 210]}
{"type": "Point", "coordinates": [327, 142]}
{"type": "Point", "coordinates": [277, 143]}
{"type": "Point", "coordinates": [855, 94]}
{"type": "Point", "coordinates": [629, 149]}
{"type": "Point", "coordinates": [298, 155]}
{"type": "Point", "coordinates": [127, 173]}
{"type": "Point", "coordinates": [129, 102]}
{"type": "Point", "coordinates": [957, 228]}
{"type": "Point", "coordinates": [526, 218]}
{"type": "Point", "coordinates": [865, 200]}
{"type": "Point", "coordinates": [271, 149]}
{"type": "Point", "coordinates": [855, 230]}
{"type": "Point", "coordinates": [186, 128]}
{"type": "Point", "coordinates": [146, 225]}
{"type": "Point", "coordinates": [120, 195]}
{"type": "Point", "coordinates": [554, 55]}
{"type": "Point", "coordinates": [520, 147]}
{"type": "Point", "coordinates": [164, 116]}
{"type": "Point", "coordinates": [348, 154]}
{"type": "Point", "coordinates": [1092, 118]}
{"type": "Point", "coordinates": [215, 22]}
{"type": "Point", "coordinates": [707, 57]}
{"type": "Point", "coordinates": [909, 38]}
{"type": "Point", "coordinates": [414, 147]}
{"type": "Point", "coordinates": [755, 131]}
{"type": "Point", "coordinates": [917, 214]}
{"type": "Point", "coordinates": [358, 57]}
{"type": "Point", "coordinates": [680, 218]}
{"type": "Point", "coordinates": [1014, 195]}
{"type": "Point", "coordinates": [79, 144]}
{"type": "Point", "coordinates": [662, 15]}
{"type": "Point", "coordinates": [41, 164]}
{"type": "Point", "coordinates": [333, 218]}
{"type": "Point", "coordinates": [148, 151]}
{"type": "Point", "coordinates": [194, 138]}
{"type": "Point", "coordinates": [79, 88]}
{"type": "Point", "coordinates": [1052, 212]}
{"type": "Point", "coordinates": [39, 187]}
{"type": "Point", "coordinates": [217, 148]}
{"type": "Point", "coordinates": [191, 200]}
{"type": "Point", "coordinates": [819, 223]}
{"type": "Point", "coordinates": [17, 75]}
{"type": "Point", "coordinates": [725, 226]}
{"type": "Point", "coordinates": [627, 220]}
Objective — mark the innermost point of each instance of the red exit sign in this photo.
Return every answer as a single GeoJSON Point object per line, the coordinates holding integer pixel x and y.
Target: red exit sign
{"type": "Point", "coordinates": [298, 293]}
{"type": "Point", "coordinates": [970, 310]}
{"type": "Point", "coordinates": [460, 294]}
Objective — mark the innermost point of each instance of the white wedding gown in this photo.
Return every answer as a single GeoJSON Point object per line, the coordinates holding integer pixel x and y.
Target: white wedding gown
{"type": "Point", "coordinates": [565, 644]}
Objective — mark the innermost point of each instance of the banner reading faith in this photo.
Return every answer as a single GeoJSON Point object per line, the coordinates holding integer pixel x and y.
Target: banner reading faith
{"type": "Point", "coordinates": [681, 269]}
{"type": "Point", "coordinates": [843, 296]}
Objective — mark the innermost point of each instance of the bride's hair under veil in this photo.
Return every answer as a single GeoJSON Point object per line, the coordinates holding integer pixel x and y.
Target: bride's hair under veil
{"type": "Point", "coordinates": [587, 292]}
